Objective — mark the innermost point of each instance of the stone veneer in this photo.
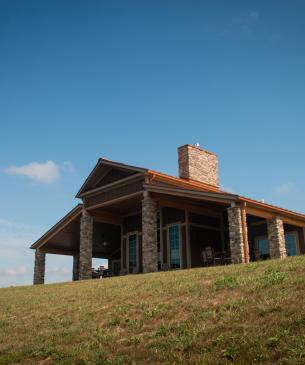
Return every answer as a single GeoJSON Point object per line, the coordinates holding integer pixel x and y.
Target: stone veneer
{"type": "Point", "coordinates": [75, 275]}
{"type": "Point", "coordinates": [85, 247]}
{"type": "Point", "coordinates": [149, 234]}
{"type": "Point", "coordinates": [276, 237]}
{"type": "Point", "coordinates": [39, 268]}
{"type": "Point", "coordinates": [198, 164]}
{"type": "Point", "coordinates": [235, 217]}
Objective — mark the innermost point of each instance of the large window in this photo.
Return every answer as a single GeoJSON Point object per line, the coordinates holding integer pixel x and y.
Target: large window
{"type": "Point", "coordinates": [159, 240]}
{"type": "Point", "coordinates": [132, 253]}
{"type": "Point", "coordinates": [291, 241]}
{"type": "Point", "coordinates": [263, 247]}
{"type": "Point", "coordinates": [174, 246]}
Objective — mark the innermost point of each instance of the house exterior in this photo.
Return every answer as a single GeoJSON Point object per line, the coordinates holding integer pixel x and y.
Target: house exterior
{"type": "Point", "coordinates": [145, 221]}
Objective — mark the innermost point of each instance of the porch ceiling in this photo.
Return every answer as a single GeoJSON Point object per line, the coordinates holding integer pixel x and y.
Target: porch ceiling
{"type": "Point", "coordinates": [65, 241]}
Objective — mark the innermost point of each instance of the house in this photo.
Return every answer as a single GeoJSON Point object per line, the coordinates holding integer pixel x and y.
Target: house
{"type": "Point", "coordinates": [144, 221]}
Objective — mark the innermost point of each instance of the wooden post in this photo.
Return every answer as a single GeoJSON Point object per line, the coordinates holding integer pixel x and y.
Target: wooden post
{"type": "Point", "coordinates": [222, 233]}
{"type": "Point", "coordinates": [188, 243]}
{"type": "Point", "coordinates": [245, 233]}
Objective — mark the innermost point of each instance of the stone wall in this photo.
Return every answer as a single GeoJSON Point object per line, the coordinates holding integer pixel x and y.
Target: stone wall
{"type": "Point", "coordinates": [149, 234]}
{"type": "Point", "coordinates": [85, 247]}
{"type": "Point", "coordinates": [236, 235]}
{"type": "Point", "coordinates": [75, 275]}
{"type": "Point", "coordinates": [198, 164]}
{"type": "Point", "coordinates": [276, 237]}
{"type": "Point", "coordinates": [39, 268]}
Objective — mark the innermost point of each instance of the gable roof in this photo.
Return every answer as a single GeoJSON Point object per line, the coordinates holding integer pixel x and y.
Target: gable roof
{"type": "Point", "coordinates": [102, 167]}
{"type": "Point", "coordinates": [187, 184]}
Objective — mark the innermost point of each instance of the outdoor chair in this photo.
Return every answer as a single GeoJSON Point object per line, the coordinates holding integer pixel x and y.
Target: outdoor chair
{"type": "Point", "coordinates": [212, 259]}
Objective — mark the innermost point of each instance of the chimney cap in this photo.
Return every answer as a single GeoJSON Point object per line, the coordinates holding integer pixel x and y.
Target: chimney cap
{"type": "Point", "coordinates": [196, 147]}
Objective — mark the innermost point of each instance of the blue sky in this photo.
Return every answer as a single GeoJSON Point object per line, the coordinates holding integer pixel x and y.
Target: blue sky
{"type": "Point", "coordinates": [131, 81]}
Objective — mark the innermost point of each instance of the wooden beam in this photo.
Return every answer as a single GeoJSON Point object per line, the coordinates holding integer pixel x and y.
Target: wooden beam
{"type": "Point", "coordinates": [115, 184]}
{"type": "Point", "coordinates": [205, 226]}
{"type": "Point", "coordinates": [117, 200]}
{"type": "Point", "coordinates": [56, 251]}
{"type": "Point", "coordinates": [293, 222]}
{"type": "Point", "coordinates": [259, 213]}
{"type": "Point", "coordinates": [191, 194]}
{"type": "Point", "coordinates": [107, 217]}
{"type": "Point", "coordinates": [191, 208]}
{"type": "Point", "coordinates": [260, 223]}
{"type": "Point", "coordinates": [269, 215]}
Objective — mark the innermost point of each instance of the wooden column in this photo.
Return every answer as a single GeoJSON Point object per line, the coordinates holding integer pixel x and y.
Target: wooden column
{"type": "Point", "coordinates": [188, 240]}
{"type": "Point", "coordinates": [222, 233]}
{"type": "Point", "coordinates": [123, 253]}
{"type": "Point", "coordinates": [245, 233]}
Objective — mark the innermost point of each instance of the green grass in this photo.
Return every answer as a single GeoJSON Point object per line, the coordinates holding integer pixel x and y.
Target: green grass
{"type": "Point", "coordinates": [242, 314]}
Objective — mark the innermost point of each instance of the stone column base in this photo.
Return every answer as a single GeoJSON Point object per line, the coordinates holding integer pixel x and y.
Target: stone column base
{"type": "Point", "coordinates": [236, 235]}
{"type": "Point", "coordinates": [39, 268]}
{"type": "Point", "coordinates": [149, 234]}
{"type": "Point", "coordinates": [276, 237]}
{"type": "Point", "coordinates": [85, 247]}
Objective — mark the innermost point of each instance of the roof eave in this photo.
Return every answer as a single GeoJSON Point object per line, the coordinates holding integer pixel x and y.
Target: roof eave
{"type": "Point", "coordinates": [56, 227]}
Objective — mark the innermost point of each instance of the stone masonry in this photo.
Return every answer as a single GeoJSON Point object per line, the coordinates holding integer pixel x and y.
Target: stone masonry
{"type": "Point", "coordinates": [198, 164]}
{"type": "Point", "coordinates": [85, 247]}
{"type": "Point", "coordinates": [276, 238]}
{"type": "Point", "coordinates": [75, 275]}
{"type": "Point", "coordinates": [39, 268]}
{"type": "Point", "coordinates": [236, 235]}
{"type": "Point", "coordinates": [149, 234]}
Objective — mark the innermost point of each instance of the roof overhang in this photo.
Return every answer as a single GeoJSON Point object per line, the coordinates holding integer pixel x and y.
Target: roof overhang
{"type": "Point", "coordinates": [194, 194]}
{"type": "Point", "coordinates": [268, 211]}
{"type": "Point", "coordinates": [68, 218]}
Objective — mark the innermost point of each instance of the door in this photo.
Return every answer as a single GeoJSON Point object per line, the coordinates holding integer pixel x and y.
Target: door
{"type": "Point", "coordinates": [291, 241]}
{"type": "Point", "coordinates": [263, 248]}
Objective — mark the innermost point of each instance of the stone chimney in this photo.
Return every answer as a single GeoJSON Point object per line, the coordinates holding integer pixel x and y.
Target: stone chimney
{"type": "Point", "coordinates": [198, 164]}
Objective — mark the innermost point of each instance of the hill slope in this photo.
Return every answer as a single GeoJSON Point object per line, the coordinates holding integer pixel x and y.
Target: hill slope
{"type": "Point", "coordinates": [241, 314]}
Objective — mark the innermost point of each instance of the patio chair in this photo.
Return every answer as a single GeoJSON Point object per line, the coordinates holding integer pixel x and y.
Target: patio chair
{"type": "Point", "coordinates": [214, 260]}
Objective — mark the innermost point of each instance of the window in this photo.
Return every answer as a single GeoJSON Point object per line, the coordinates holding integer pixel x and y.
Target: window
{"type": "Point", "coordinates": [174, 246]}
{"type": "Point", "coordinates": [263, 247]}
{"type": "Point", "coordinates": [159, 240]}
{"type": "Point", "coordinates": [291, 244]}
{"type": "Point", "coordinates": [132, 252]}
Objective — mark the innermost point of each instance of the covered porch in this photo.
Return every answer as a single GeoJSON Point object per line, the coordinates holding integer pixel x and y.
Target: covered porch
{"type": "Point", "coordinates": [165, 228]}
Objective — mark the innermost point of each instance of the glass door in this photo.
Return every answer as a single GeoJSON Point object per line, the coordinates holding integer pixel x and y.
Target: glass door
{"type": "Point", "coordinates": [291, 241]}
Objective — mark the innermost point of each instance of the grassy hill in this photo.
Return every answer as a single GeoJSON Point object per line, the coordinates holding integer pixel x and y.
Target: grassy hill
{"type": "Point", "coordinates": [243, 314]}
